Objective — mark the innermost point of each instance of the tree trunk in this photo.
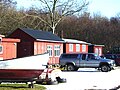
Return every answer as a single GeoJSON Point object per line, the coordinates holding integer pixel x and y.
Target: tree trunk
{"type": "Point", "coordinates": [53, 29]}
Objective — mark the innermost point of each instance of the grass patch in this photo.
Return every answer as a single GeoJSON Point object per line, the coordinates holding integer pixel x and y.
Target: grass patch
{"type": "Point", "coordinates": [20, 87]}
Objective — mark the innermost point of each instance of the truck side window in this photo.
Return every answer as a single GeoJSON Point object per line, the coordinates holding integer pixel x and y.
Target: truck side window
{"type": "Point", "coordinates": [84, 57]}
{"type": "Point", "coordinates": [90, 56]}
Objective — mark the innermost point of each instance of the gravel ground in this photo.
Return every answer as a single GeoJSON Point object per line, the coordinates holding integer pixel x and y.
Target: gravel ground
{"type": "Point", "coordinates": [86, 78]}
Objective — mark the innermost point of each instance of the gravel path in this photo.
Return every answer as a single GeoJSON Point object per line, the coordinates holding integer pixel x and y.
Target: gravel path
{"type": "Point", "coordinates": [88, 79]}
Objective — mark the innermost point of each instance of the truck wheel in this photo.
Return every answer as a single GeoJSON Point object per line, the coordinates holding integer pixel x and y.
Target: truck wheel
{"type": "Point", "coordinates": [105, 68]}
{"type": "Point", "coordinates": [70, 67]}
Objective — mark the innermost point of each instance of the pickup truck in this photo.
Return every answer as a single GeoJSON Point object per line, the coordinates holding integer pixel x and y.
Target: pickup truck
{"type": "Point", "coordinates": [73, 61]}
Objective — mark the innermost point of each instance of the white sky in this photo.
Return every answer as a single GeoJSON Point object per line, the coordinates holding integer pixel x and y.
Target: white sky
{"type": "Point", "coordinates": [108, 8]}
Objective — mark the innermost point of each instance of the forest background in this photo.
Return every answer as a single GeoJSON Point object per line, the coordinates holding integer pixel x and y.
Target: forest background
{"type": "Point", "coordinates": [95, 29]}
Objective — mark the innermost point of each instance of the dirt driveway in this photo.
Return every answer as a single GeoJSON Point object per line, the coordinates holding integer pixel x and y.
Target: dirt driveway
{"type": "Point", "coordinates": [85, 79]}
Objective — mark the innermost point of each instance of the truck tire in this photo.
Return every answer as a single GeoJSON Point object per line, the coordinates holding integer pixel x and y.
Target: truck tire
{"type": "Point", "coordinates": [105, 68]}
{"type": "Point", "coordinates": [70, 67]}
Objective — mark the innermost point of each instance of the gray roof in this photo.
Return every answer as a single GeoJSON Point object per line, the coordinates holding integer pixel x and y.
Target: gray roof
{"type": "Point", "coordinates": [42, 35]}
{"type": "Point", "coordinates": [75, 41]}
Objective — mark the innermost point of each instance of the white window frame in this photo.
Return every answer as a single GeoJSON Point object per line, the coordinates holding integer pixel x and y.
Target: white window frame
{"type": "Point", "coordinates": [97, 51]}
{"type": "Point", "coordinates": [83, 48]}
{"type": "Point", "coordinates": [100, 51]}
{"type": "Point", "coordinates": [1, 52]}
{"type": "Point", "coordinates": [77, 47]}
{"type": "Point", "coordinates": [57, 50]}
{"type": "Point", "coordinates": [50, 50]}
{"type": "Point", "coordinates": [71, 47]}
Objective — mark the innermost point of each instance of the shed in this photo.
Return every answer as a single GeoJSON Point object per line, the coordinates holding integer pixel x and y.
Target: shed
{"type": "Point", "coordinates": [8, 48]}
{"type": "Point", "coordinates": [72, 45]}
{"type": "Point", "coordinates": [98, 49]}
{"type": "Point", "coordinates": [36, 42]}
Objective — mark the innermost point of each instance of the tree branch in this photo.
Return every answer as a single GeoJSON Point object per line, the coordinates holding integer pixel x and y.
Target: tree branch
{"type": "Point", "coordinates": [40, 19]}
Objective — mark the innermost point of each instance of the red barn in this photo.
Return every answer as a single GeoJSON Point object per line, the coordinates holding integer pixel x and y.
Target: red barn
{"type": "Point", "coordinates": [8, 48]}
{"type": "Point", "coordinates": [72, 45]}
{"type": "Point", "coordinates": [36, 42]}
{"type": "Point", "coordinates": [98, 49]}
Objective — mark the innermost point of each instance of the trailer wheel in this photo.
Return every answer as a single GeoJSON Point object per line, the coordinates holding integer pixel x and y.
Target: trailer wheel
{"type": "Point", "coordinates": [61, 80]}
{"type": "Point", "coordinates": [52, 83]}
{"type": "Point", "coordinates": [31, 85]}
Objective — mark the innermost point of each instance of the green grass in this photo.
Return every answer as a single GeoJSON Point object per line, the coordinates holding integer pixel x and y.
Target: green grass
{"type": "Point", "coordinates": [20, 87]}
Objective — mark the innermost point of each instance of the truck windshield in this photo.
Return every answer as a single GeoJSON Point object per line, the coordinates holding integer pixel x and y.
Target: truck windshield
{"type": "Point", "coordinates": [97, 57]}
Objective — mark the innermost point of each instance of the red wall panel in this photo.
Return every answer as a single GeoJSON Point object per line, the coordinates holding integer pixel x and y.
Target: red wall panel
{"type": "Point", "coordinates": [41, 47]}
{"type": "Point", "coordinates": [74, 48]}
{"type": "Point", "coordinates": [9, 48]}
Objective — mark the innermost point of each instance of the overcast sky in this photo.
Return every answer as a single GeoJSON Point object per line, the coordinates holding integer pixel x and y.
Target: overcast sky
{"type": "Point", "coordinates": [108, 8]}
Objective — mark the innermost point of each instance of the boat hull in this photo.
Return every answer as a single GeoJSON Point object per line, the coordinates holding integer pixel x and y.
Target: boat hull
{"type": "Point", "coordinates": [25, 69]}
{"type": "Point", "coordinates": [19, 74]}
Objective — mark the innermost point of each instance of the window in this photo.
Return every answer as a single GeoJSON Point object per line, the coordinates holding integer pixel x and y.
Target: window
{"type": "Point", "coordinates": [70, 47]}
{"type": "Point", "coordinates": [83, 48]}
{"type": "Point", "coordinates": [97, 51]}
{"type": "Point", "coordinates": [77, 48]}
{"type": "Point", "coordinates": [1, 49]}
{"type": "Point", "coordinates": [84, 57]}
{"type": "Point", "coordinates": [91, 56]}
{"type": "Point", "coordinates": [49, 50]}
{"type": "Point", "coordinates": [57, 50]}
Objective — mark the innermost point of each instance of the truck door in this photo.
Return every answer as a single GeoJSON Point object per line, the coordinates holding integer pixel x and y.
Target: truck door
{"type": "Point", "coordinates": [83, 60]}
{"type": "Point", "coordinates": [92, 61]}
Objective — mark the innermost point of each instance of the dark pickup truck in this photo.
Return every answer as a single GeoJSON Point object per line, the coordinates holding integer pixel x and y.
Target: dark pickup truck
{"type": "Point", "coordinates": [115, 57]}
{"type": "Point", "coordinates": [73, 61]}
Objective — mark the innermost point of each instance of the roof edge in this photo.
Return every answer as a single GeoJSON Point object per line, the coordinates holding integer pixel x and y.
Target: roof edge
{"type": "Point", "coordinates": [50, 40]}
{"type": "Point", "coordinates": [75, 41]}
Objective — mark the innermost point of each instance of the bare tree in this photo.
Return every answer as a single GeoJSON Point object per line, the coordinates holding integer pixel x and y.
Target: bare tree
{"type": "Point", "coordinates": [56, 10]}
{"type": "Point", "coordinates": [7, 3]}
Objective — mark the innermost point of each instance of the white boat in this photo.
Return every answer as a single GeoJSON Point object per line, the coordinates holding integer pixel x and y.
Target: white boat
{"type": "Point", "coordinates": [25, 69]}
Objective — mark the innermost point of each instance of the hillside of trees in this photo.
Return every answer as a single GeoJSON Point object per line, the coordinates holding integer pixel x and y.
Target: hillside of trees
{"type": "Point", "coordinates": [94, 29]}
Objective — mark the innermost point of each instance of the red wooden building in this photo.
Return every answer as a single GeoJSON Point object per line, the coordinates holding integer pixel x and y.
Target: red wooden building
{"type": "Point", "coordinates": [72, 45]}
{"type": "Point", "coordinates": [8, 48]}
{"type": "Point", "coordinates": [98, 49]}
{"type": "Point", "coordinates": [36, 42]}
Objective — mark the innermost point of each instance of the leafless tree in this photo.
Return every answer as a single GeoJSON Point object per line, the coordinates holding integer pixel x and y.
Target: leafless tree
{"type": "Point", "coordinates": [56, 10]}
